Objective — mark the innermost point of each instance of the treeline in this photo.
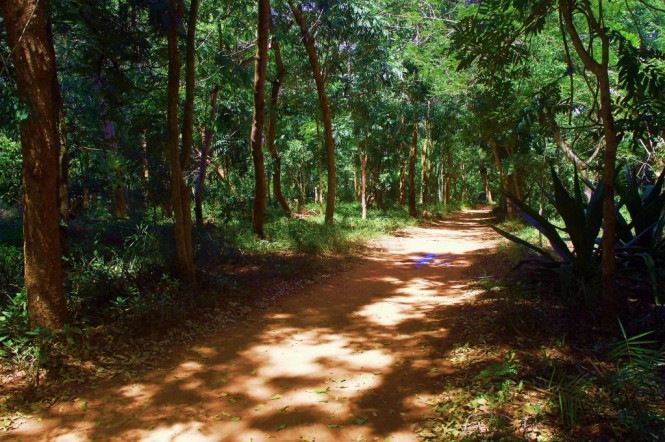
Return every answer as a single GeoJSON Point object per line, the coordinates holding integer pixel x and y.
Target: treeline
{"type": "Point", "coordinates": [148, 109]}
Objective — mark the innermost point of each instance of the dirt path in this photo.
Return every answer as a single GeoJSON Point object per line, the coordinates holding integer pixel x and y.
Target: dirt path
{"type": "Point", "coordinates": [356, 358]}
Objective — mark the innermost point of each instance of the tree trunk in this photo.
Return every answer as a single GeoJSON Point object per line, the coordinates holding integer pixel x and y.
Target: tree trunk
{"type": "Point", "coordinates": [188, 124]}
{"type": "Point", "coordinates": [362, 155]}
{"type": "Point", "coordinates": [601, 72]}
{"type": "Point", "coordinates": [402, 182]}
{"type": "Point", "coordinates": [34, 62]}
{"type": "Point", "coordinates": [510, 211]}
{"type": "Point", "coordinates": [206, 138]}
{"type": "Point", "coordinates": [183, 235]}
{"type": "Point", "coordinates": [272, 128]}
{"type": "Point", "coordinates": [320, 169]}
{"type": "Point", "coordinates": [412, 171]}
{"type": "Point", "coordinates": [258, 117]}
{"type": "Point", "coordinates": [424, 173]}
{"type": "Point", "coordinates": [308, 41]}
{"type": "Point", "coordinates": [486, 184]}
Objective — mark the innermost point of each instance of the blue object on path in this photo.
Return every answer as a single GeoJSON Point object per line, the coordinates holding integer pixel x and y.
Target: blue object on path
{"type": "Point", "coordinates": [430, 258]}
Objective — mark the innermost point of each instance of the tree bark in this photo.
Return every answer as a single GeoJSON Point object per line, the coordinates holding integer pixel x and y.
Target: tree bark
{"type": "Point", "coordinates": [362, 155]}
{"type": "Point", "coordinates": [184, 256]}
{"type": "Point", "coordinates": [510, 211]}
{"type": "Point", "coordinates": [188, 123]}
{"type": "Point", "coordinates": [310, 47]}
{"type": "Point", "coordinates": [258, 117]}
{"type": "Point", "coordinates": [33, 55]}
{"type": "Point", "coordinates": [206, 138]}
{"type": "Point", "coordinates": [601, 71]}
{"type": "Point", "coordinates": [486, 184]}
{"type": "Point", "coordinates": [412, 171]}
{"type": "Point", "coordinates": [424, 173]}
{"type": "Point", "coordinates": [272, 129]}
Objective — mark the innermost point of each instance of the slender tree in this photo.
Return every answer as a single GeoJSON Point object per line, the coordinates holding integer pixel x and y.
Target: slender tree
{"type": "Point", "coordinates": [412, 171]}
{"type": "Point", "coordinates": [33, 55]}
{"type": "Point", "coordinates": [600, 69]}
{"type": "Point", "coordinates": [272, 129]}
{"type": "Point", "coordinates": [310, 47]}
{"type": "Point", "coordinates": [206, 140]}
{"type": "Point", "coordinates": [258, 117]}
{"type": "Point", "coordinates": [183, 232]}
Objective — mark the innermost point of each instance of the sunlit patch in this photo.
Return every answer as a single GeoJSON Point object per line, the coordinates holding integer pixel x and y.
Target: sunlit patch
{"type": "Point", "coordinates": [177, 433]}
{"type": "Point", "coordinates": [134, 391]}
{"type": "Point", "coordinates": [389, 313]}
{"type": "Point", "coordinates": [190, 366]}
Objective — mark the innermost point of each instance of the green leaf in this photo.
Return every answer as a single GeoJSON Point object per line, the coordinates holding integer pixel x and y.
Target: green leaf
{"type": "Point", "coordinates": [281, 427]}
{"type": "Point", "coordinates": [360, 420]}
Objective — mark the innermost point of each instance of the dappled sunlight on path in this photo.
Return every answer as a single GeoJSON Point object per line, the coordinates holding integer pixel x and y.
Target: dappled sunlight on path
{"type": "Point", "coordinates": [355, 358]}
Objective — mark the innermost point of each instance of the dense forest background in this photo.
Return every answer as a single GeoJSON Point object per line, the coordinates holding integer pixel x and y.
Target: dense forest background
{"type": "Point", "coordinates": [182, 134]}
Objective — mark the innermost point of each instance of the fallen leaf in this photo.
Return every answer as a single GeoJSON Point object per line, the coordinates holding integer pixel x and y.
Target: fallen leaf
{"type": "Point", "coordinates": [283, 409]}
{"type": "Point", "coordinates": [259, 407]}
{"type": "Point", "coordinates": [335, 426]}
{"type": "Point", "coordinates": [83, 406]}
{"type": "Point", "coordinates": [361, 420]}
{"type": "Point", "coordinates": [320, 390]}
{"type": "Point", "coordinates": [281, 427]}
{"type": "Point", "coordinates": [235, 419]}
{"type": "Point", "coordinates": [275, 397]}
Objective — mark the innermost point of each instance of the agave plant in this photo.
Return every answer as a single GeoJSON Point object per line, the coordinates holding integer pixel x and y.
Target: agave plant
{"type": "Point", "coordinates": [640, 243]}
{"type": "Point", "coordinates": [576, 244]}
{"type": "Point", "coordinates": [645, 203]}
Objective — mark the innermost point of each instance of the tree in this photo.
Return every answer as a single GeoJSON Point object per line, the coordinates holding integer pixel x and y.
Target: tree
{"type": "Point", "coordinates": [258, 117]}
{"type": "Point", "coordinates": [272, 129]}
{"type": "Point", "coordinates": [310, 47]}
{"type": "Point", "coordinates": [179, 197]}
{"type": "Point", "coordinates": [33, 55]}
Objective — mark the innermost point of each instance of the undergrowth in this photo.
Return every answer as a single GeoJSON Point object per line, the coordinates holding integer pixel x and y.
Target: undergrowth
{"type": "Point", "coordinates": [120, 285]}
{"type": "Point", "coordinates": [530, 369]}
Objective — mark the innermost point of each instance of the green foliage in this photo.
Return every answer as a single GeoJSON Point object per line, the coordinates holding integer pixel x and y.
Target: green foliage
{"type": "Point", "coordinates": [645, 203]}
{"type": "Point", "coordinates": [636, 385]}
{"type": "Point", "coordinates": [580, 268]}
{"type": "Point", "coordinates": [10, 164]}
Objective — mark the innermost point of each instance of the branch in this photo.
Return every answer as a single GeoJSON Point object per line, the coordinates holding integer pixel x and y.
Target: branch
{"type": "Point", "coordinates": [566, 11]}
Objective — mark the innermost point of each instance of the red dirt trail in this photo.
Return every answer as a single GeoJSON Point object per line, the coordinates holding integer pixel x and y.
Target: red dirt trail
{"type": "Point", "coordinates": [354, 358]}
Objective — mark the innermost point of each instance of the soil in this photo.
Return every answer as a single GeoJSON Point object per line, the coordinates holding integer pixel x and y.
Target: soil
{"type": "Point", "coordinates": [356, 357]}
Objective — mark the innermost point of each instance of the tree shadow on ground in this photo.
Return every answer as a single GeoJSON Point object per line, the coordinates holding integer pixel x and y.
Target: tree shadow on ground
{"type": "Point", "coordinates": [359, 356]}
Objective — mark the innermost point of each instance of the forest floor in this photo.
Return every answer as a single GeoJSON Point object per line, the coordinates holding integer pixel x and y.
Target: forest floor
{"type": "Point", "coordinates": [358, 356]}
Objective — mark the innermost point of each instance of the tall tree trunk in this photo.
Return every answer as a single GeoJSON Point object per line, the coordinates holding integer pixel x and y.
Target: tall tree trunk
{"type": "Point", "coordinates": [184, 256]}
{"type": "Point", "coordinates": [188, 123]}
{"type": "Point", "coordinates": [272, 129]}
{"type": "Point", "coordinates": [502, 178]}
{"type": "Point", "coordinates": [318, 164]}
{"type": "Point", "coordinates": [27, 24]}
{"type": "Point", "coordinates": [362, 155]}
{"type": "Point", "coordinates": [486, 184]}
{"type": "Point", "coordinates": [258, 117]}
{"type": "Point", "coordinates": [63, 153]}
{"type": "Point", "coordinates": [310, 46]}
{"type": "Point", "coordinates": [402, 182]}
{"type": "Point", "coordinates": [412, 171]}
{"type": "Point", "coordinates": [601, 72]}
{"type": "Point", "coordinates": [206, 138]}
{"type": "Point", "coordinates": [424, 173]}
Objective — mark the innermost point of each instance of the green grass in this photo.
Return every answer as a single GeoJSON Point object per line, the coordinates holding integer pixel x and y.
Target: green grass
{"type": "Point", "coordinates": [346, 235]}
